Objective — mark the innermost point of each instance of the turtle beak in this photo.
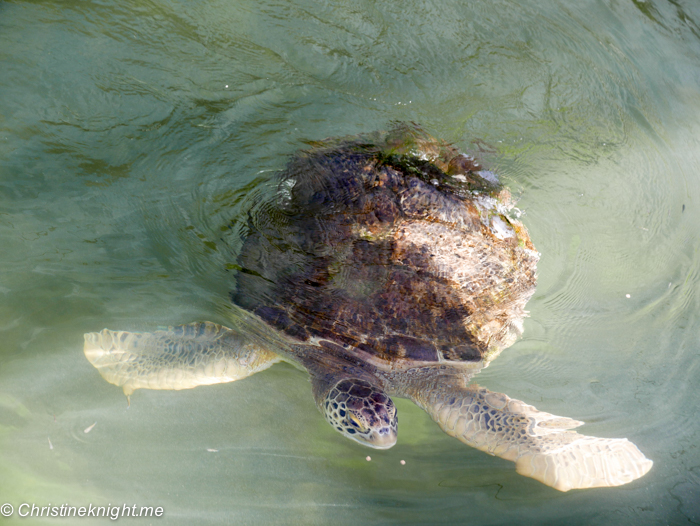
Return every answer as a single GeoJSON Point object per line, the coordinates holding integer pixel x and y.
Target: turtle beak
{"type": "Point", "coordinates": [382, 438]}
{"type": "Point", "coordinates": [380, 435]}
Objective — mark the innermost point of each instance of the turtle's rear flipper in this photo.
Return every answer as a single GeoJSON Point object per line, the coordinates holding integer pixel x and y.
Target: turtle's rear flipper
{"type": "Point", "coordinates": [539, 443]}
{"type": "Point", "coordinates": [181, 357]}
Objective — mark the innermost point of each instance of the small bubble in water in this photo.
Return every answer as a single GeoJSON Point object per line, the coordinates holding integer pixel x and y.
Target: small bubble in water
{"type": "Point", "coordinates": [403, 462]}
{"type": "Point", "coordinates": [368, 458]}
{"type": "Point", "coordinates": [627, 296]}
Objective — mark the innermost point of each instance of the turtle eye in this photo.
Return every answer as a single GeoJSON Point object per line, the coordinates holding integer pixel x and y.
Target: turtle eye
{"type": "Point", "coordinates": [355, 421]}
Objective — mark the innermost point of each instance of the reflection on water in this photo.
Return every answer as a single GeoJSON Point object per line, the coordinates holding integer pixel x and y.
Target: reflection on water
{"type": "Point", "coordinates": [135, 136]}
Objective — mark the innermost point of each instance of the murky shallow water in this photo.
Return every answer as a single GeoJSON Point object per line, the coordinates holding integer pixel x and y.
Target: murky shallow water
{"type": "Point", "coordinates": [131, 133]}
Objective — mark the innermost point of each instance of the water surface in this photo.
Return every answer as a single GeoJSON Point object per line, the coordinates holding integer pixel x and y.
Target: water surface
{"type": "Point", "coordinates": [133, 134]}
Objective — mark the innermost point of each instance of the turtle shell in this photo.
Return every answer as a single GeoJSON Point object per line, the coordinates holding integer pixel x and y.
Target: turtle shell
{"type": "Point", "coordinates": [393, 244]}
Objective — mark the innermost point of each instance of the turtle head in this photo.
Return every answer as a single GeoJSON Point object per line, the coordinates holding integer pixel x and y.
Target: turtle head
{"type": "Point", "coordinates": [362, 412]}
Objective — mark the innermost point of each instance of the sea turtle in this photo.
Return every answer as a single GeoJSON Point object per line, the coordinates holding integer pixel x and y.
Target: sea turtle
{"type": "Point", "coordinates": [389, 264]}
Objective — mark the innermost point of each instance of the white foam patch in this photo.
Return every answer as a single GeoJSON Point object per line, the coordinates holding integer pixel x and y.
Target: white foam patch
{"type": "Point", "coordinates": [500, 229]}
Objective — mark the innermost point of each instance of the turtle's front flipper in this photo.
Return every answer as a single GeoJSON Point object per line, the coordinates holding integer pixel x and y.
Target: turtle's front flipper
{"type": "Point", "coordinates": [539, 443]}
{"type": "Point", "coordinates": [181, 357]}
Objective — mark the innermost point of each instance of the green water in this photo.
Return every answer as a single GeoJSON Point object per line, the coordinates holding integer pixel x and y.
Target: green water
{"type": "Point", "coordinates": [133, 133]}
